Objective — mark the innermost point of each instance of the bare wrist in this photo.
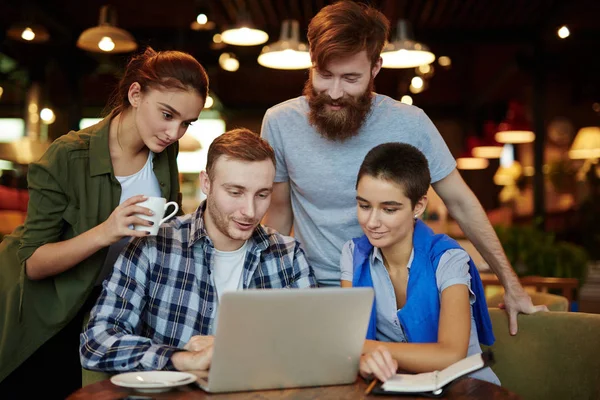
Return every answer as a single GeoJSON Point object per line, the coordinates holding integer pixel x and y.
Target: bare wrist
{"type": "Point", "coordinates": [178, 360]}
{"type": "Point", "coordinates": [99, 235]}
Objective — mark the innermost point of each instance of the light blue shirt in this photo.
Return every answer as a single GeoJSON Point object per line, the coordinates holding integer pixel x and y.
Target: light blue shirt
{"type": "Point", "coordinates": [322, 173]}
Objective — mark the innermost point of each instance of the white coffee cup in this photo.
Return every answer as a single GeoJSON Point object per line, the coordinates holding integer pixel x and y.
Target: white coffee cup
{"type": "Point", "coordinates": [159, 207]}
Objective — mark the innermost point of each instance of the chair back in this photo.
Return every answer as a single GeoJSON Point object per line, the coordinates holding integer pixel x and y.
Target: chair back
{"type": "Point", "coordinates": [552, 301]}
{"type": "Point", "coordinates": [555, 355]}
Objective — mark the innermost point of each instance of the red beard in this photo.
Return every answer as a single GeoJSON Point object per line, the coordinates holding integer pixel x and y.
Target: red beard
{"type": "Point", "coordinates": [342, 124]}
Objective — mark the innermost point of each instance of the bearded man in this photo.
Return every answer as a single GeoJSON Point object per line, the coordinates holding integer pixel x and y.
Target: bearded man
{"type": "Point", "coordinates": [321, 138]}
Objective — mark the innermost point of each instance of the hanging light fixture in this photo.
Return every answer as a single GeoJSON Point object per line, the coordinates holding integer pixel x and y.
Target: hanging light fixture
{"type": "Point", "coordinates": [106, 37]}
{"type": "Point", "coordinates": [586, 144]}
{"type": "Point", "coordinates": [27, 32]}
{"type": "Point", "coordinates": [202, 23]}
{"type": "Point", "coordinates": [244, 34]}
{"type": "Point", "coordinates": [467, 161]}
{"type": "Point", "coordinates": [488, 147]}
{"type": "Point", "coordinates": [404, 51]}
{"type": "Point", "coordinates": [288, 52]}
{"type": "Point", "coordinates": [515, 128]}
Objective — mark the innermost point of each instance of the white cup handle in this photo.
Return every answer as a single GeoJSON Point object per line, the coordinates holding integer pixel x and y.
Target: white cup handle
{"type": "Point", "coordinates": [171, 203]}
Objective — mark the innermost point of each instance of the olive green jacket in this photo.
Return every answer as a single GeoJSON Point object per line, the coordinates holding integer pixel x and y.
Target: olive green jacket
{"type": "Point", "coordinates": [72, 189]}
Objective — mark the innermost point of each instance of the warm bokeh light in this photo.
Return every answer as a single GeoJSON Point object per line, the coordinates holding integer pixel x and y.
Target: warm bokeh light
{"type": "Point", "coordinates": [28, 34]}
{"type": "Point", "coordinates": [488, 151]}
{"type": "Point", "coordinates": [217, 38]}
{"type": "Point", "coordinates": [106, 44]}
{"type": "Point", "coordinates": [472, 163]}
{"type": "Point", "coordinates": [229, 62]}
{"type": "Point", "coordinates": [563, 32]}
{"type": "Point", "coordinates": [444, 61]}
{"type": "Point", "coordinates": [202, 19]}
{"type": "Point", "coordinates": [209, 102]}
{"type": "Point", "coordinates": [417, 82]}
{"type": "Point", "coordinates": [244, 36]}
{"type": "Point", "coordinates": [514, 136]}
{"type": "Point", "coordinates": [406, 99]}
{"type": "Point", "coordinates": [285, 59]}
{"type": "Point", "coordinates": [47, 116]}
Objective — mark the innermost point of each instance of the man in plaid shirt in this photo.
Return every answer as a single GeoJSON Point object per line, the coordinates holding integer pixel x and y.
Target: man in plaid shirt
{"type": "Point", "coordinates": [157, 310]}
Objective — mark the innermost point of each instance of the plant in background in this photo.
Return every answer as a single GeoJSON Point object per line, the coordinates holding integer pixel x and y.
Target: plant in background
{"type": "Point", "coordinates": [534, 252]}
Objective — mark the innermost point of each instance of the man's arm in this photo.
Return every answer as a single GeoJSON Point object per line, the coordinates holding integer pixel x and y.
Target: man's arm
{"type": "Point", "coordinates": [464, 207]}
{"type": "Point", "coordinates": [111, 340]}
{"type": "Point", "coordinates": [279, 215]}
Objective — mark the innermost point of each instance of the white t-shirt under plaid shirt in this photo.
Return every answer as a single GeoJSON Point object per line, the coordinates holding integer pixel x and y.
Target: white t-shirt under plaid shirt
{"type": "Point", "coordinates": [161, 293]}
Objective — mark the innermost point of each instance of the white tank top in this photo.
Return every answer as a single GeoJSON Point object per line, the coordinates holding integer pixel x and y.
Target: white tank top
{"type": "Point", "coordinates": [142, 182]}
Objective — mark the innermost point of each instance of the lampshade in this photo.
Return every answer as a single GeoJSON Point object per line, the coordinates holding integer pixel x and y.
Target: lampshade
{"type": "Point", "coordinates": [244, 34]}
{"type": "Point", "coordinates": [515, 128]}
{"type": "Point", "coordinates": [26, 32]}
{"type": "Point", "coordinates": [288, 52]}
{"type": "Point", "coordinates": [467, 161]}
{"type": "Point", "coordinates": [106, 37]}
{"type": "Point", "coordinates": [404, 51]}
{"type": "Point", "coordinates": [202, 23]}
{"type": "Point", "coordinates": [488, 147]}
{"type": "Point", "coordinates": [586, 144]}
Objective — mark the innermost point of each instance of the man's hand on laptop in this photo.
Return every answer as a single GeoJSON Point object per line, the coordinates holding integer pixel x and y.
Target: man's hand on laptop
{"type": "Point", "coordinates": [198, 355]}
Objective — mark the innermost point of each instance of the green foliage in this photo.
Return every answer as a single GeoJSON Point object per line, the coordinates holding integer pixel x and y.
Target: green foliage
{"type": "Point", "coordinates": [534, 252]}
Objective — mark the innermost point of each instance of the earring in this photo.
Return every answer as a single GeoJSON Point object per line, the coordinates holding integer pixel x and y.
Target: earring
{"type": "Point", "coordinates": [416, 215]}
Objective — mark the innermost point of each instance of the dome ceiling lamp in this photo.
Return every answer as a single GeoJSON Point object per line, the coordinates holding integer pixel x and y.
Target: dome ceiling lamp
{"type": "Point", "coordinates": [107, 37]}
{"type": "Point", "coordinates": [244, 33]}
{"type": "Point", "coordinates": [515, 128]}
{"type": "Point", "coordinates": [28, 32]}
{"type": "Point", "coordinates": [586, 144]}
{"type": "Point", "coordinates": [288, 52]}
{"type": "Point", "coordinates": [467, 161]}
{"type": "Point", "coordinates": [404, 51]}
{"type": "Point", "coordinates": [488, 147]}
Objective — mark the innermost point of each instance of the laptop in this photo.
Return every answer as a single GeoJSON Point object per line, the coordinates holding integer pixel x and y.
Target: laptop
{"type": "Point", "coordinates": [286, 338]}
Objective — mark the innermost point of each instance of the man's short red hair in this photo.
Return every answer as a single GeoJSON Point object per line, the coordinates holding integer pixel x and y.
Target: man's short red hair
{"type": "Point", "coordinates": [345, 28]}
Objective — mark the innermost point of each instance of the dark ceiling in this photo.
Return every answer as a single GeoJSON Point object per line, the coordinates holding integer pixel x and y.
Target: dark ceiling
{"type": "Point", "coordinates": [498, 47]}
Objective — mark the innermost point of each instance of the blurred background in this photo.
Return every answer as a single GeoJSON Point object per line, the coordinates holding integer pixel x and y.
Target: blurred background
{"type": "Point", "coordinates": [513, 86]}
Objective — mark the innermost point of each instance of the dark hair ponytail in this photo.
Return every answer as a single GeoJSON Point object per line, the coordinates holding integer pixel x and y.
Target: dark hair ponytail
{"type": "Point", "coordinates": [167, 69]}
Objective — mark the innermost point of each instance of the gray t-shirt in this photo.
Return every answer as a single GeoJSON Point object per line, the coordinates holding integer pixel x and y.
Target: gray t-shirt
{"type": "Point", "coordinates": [453, 269]}
{"type": "Point", "coordinates": [322, 173]}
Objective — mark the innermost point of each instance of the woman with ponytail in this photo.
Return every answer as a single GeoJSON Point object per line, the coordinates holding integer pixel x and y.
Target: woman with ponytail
{"type": "Point", "coordinates": [84, 194]}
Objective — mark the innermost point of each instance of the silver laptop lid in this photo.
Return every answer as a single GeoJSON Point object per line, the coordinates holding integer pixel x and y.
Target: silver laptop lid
{"type": "Point", "coordinates": [282, 338]}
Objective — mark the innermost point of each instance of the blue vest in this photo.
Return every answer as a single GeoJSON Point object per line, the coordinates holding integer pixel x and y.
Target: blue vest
{"type": "Point", "coordinates": [421, 312]}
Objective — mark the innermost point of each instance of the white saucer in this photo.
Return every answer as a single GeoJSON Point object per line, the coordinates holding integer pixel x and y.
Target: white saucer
{"type": "Point", "coordinates": [153, 381]}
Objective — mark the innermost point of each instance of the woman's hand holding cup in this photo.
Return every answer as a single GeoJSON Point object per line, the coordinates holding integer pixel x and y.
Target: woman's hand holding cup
{"type": "Point", "coordinates": [119, 223]}
{"type": "Point", "coordinates": [158, 206]}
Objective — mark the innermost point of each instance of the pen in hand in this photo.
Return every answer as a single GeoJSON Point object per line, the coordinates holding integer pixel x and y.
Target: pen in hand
{"type": "Point", "coordinates": [371, 386]}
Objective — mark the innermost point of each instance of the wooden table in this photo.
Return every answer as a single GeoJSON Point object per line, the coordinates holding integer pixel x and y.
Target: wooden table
{"type": "Point", "coordinates": [466, 388]}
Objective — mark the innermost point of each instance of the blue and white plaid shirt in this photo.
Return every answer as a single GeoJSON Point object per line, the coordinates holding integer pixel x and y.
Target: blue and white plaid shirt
{"type": "Point", "coordinates": [161, 293]}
